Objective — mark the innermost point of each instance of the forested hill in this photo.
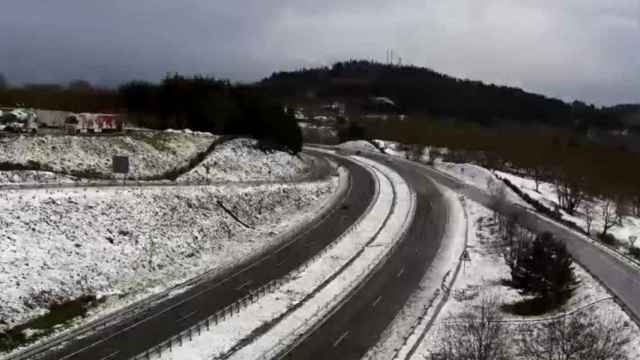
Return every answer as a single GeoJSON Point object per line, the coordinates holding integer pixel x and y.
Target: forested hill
{"type": "Point", "coordinates": [421, 90]}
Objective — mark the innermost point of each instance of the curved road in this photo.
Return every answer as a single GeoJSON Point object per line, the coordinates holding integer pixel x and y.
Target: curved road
{"type": "Point", "coordinates": [357, 325]}
{"type": "Point", "coordinates": [160, 321]}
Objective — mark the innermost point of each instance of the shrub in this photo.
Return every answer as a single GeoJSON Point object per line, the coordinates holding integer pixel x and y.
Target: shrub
{"type": "Point", "coordinates": [634, 252]}
{"type": "Point", "coordinates": [608, 239]}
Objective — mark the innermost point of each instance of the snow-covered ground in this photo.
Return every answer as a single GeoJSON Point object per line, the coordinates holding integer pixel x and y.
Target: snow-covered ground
{"type": "Point", "coordinates": [392, 148]}
{"type": "Point", "coordinates": [56, 245]}
{"type": "Point", "coordinates": [24, 177]}
{"type": "Point", "coordinates": [150, 153]}
{"type": "Point", "coordinates": [481, 278]}
{"type": "Point", "coordinates": [547, 195]}
{"type": "Point", "coordinates": [481, 178]}
{"type": "Point", "coordinates": [356, 145]}
{"type": "Point", "coordinates": [318, 275]}
{"type": "Point", "coordinates": [242, 160]}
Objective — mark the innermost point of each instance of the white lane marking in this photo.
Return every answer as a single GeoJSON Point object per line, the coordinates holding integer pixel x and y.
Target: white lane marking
{"type": "Point", "coordinates": [187, 316]}
{"type": "Point", "coordinates": [337, 342]}
{"type": "Point", "coordinates": [244, 284]}
{"type": "Point", "coordinates": [376, 301]}
{"type": "Point", "coordinates": [110, 355]}
{"type": "Point", "coordinates": [210, 287]}
{"type": "Point", "coordinates": [400, 272]}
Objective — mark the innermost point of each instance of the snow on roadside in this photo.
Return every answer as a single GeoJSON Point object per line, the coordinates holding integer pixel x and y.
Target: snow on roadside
{"type": "Point", "coordinates": [482, 278]}
{"type": "Point", "coordinates": [57, 245]}
{"type": "Point", "coordinates": [409, 324]}
{"type": "Point", "coordinates": [302, 283]}
{"type": "Point", "coordinates": [150, 153]}
{"type": "Point", "coordinates": [392, 148]}
{"type": "Point", "coordinates": [22, 177]}
{"type": "Point", "coordinates": [481, 178]}
{"type": "Point", "coordinates": [242, 160]}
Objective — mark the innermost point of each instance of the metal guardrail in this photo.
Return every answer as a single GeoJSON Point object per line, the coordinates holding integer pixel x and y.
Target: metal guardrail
{"type": "Point", "coordinates": [187, 334]}
{"type": "Point", "coordinates": [214, 319]}
{"type": "Point", "coordinates": [37, 351]}
{"type": "Point", "coordinates": [303, 331]}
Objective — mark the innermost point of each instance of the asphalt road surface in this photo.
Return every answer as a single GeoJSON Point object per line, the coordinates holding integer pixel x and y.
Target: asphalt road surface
{"type": "Point", "coordinates": [357, 325]}
{"type": "Point", "coordinates": [132, 336]}
{"type": "Point", "coordinates": [618, 277]}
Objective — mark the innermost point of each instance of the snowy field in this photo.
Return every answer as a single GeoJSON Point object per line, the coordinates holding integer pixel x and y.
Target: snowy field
{"type": "Point", "coordinates": [150, 153]}
{"type": "Point", "coordinates": [482, 277]}
{"type": "Point", "coordinates": [56, 245]}
{"type": "Point", "coordinates": [241, 160]}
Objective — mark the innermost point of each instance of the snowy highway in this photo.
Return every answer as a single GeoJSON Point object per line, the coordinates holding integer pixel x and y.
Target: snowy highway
{"type": "Point", "coordinates": [130, 336]}
{"type": "Point", "coordinates": [356, 318]}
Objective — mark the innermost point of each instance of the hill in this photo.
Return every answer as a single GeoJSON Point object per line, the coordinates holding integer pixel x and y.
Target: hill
{"type": "Point", "coordinates": [419, 90]}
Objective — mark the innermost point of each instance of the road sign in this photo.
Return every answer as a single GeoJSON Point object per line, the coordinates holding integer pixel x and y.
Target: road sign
{"type": "Point", "coordinates": [120, 164]}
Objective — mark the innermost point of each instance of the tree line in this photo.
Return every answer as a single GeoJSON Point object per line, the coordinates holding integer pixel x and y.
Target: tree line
{"type": "Point", "coordinates": [198, 103]}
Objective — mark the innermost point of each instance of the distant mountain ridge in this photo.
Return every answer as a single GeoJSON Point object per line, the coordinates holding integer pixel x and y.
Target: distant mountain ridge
{"type": "Point", "coordinates": [422, 90]}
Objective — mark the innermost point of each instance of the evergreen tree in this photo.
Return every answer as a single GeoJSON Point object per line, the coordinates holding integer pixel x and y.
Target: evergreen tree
{"type": "Point", "coordinates": [544, 269]}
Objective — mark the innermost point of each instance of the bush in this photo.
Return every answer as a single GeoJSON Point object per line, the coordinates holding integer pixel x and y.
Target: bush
{"type": "Point", "coordinates": [608, 239]}
{"type": "Point", "coordinates": [634, 252]}
{"type": "Point", "coordinates": [544, 269]}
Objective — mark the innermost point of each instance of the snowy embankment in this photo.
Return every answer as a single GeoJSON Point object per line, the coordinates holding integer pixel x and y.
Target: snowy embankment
{"type": "Point", "coordinates": [57, 245]}
{"type": "Point", "coordinates": [358, 145]}
{"type": "Point", "coordinates": [242, 160]}
{"type": "Point", "coordinates": [482, 278]}
{"type": "Point", "coordinates": [546, 194]}
{"type": "Point", "coordinates": [481, 178]}
{"type": "Point", "coordinates": [150, 154]}
{"type": "Point", "coordinates": [410, 323]}
{"type": "Point", "coordinates": [308, 294]}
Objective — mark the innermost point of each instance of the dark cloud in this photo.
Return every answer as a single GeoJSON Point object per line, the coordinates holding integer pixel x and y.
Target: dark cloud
{"type": "Point", "coordinates": [571, 49]}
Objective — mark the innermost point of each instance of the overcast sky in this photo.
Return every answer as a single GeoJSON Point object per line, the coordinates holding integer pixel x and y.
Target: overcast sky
{"type": "Point", "coordinates": [571, 49]}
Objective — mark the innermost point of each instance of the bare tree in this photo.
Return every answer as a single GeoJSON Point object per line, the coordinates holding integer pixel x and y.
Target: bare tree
{"type": "Point", "coordinates": [414, 152]}
{"type": "Point", "coordinates": [579, 336]}
{"type": "Point", "coordinates": [570, 194]}
{"type": "Point", "coordinates": [589, 212]}
{"type": "Point", "coordinates": [635, 202]}
{"type": "Point", "coordinates": [479, 335]}
{"type": "Point", "coordinates": [610, 216]}
{"type": "Point", "coordinates": [632, 241]}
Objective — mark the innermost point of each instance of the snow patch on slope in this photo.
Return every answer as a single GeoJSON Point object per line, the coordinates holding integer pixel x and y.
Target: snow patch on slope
{"type": "Point", "coordinates": [150, 153]}
{"type": "Point", "coordinates": [242, 160]}
{"type": "Point", "coordinates": [56, 245]}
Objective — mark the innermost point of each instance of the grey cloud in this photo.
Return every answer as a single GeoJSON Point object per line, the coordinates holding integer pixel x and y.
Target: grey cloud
{"type": "Point", "coordinates": [572, 49]}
